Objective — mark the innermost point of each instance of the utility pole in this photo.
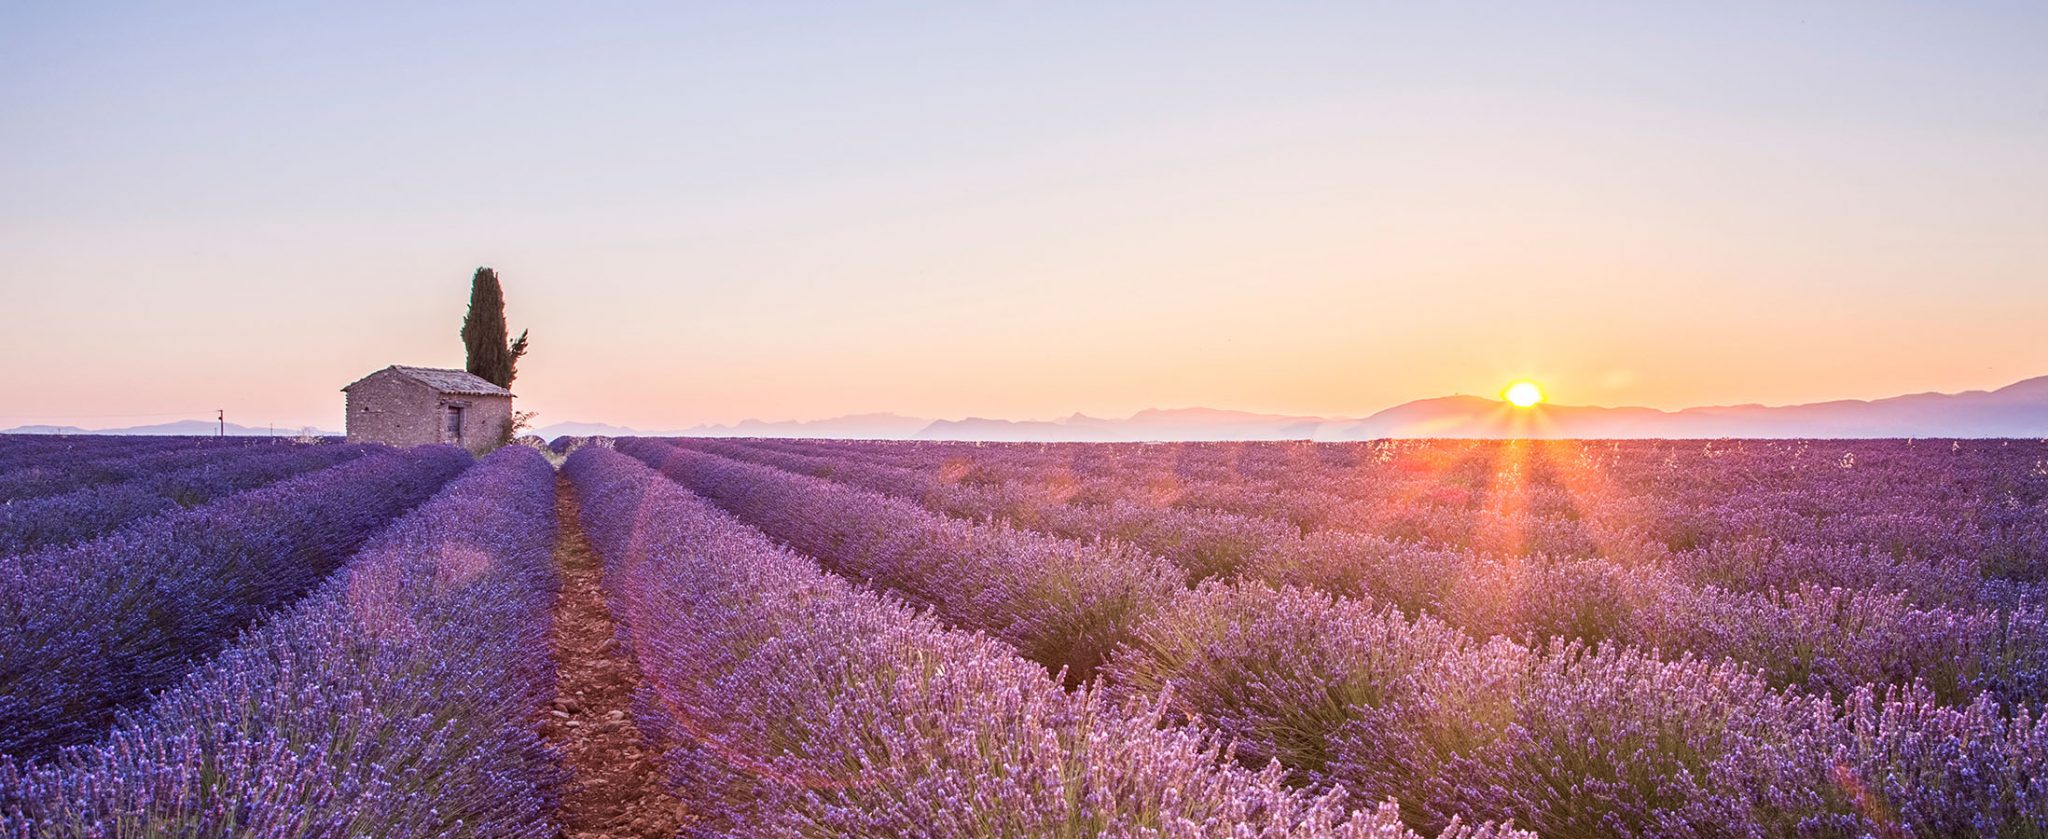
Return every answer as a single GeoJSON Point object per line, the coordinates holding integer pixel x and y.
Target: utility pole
{"type": "Point", "coordinates": [223, 423]}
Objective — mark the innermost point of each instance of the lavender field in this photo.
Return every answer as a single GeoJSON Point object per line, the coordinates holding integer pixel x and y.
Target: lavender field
{"type": "Point", "coordinates": [1817, 638]}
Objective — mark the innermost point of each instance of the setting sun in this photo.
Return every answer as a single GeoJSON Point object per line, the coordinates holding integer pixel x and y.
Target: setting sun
{"type": "Point", "coordinates": [1523, 394]}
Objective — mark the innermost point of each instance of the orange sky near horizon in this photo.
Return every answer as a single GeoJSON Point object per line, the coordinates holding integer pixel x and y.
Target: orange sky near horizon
{"type": "Point", "coordinates": [597, 358]}
{"type": "Point", "coordinates": [715, 215]}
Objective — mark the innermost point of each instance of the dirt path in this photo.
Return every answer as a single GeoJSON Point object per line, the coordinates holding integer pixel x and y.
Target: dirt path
{"type": "Point", "coordinates": [615, 788]}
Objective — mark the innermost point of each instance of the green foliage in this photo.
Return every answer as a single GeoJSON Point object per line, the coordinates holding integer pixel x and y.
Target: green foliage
{"type": "Point", "coordinates": [508, 431]}
{"type": "Point", "coordinates": [491, 357]}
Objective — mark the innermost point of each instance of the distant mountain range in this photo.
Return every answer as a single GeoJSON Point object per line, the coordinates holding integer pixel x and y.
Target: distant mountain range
{"type": "Point", "coordinates": [854, 426]}
{"type": "Point", "coordinates": [193, 428]}
{"type": "Point", "coordinates": [1152, 424]}
{"type": "Point", "coordinates": [2017, 410]}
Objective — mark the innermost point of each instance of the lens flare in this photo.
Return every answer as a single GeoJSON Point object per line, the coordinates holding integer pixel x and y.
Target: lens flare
{"type": "Point", "coordinates": [1523, 394]}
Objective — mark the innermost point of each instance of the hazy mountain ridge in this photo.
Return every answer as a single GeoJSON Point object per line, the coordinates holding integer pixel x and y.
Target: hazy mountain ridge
{"type": "Point", "coordinates": [1150, 424]}
{"type": "Point", "coordinates": [2016, 410]}
{"type": "Point", "coordinates": [869, 426]}
{"type": "Point", "coordinates": [184, 428]}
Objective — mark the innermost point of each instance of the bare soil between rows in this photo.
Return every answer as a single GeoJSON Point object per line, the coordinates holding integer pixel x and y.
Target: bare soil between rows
{"type": "Point", "coordinates": [615, 787]}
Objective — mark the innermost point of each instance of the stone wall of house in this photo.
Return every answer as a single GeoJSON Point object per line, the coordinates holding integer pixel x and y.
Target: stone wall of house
{"type": "Point", "coordinates": [483, 420]}
{"type": "Point", "coordinates": [395, 410]}
{"type": "Point", "coordinates": [391, 409]}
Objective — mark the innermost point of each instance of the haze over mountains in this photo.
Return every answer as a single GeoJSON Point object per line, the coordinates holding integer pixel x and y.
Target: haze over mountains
{"type": "Point", "coordinates": [188, 428]}
{"type": "Point", "coordinates": [2017, 410]}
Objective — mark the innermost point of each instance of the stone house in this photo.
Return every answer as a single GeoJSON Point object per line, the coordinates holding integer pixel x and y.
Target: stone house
{"type": "Point", "coordinates": [414, 406]}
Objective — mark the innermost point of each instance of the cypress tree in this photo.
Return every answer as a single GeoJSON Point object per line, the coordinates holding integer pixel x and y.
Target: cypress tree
{"type": "Point", "coordinates": [491, 357]}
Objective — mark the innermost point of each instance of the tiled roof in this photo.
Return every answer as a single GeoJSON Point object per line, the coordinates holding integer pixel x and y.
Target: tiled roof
{"type": "Point", "coordinates": [445, 381]}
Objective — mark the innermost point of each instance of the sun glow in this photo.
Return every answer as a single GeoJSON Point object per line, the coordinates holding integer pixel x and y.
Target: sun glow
{"type": "Point", "coordinates": [1523, 394]}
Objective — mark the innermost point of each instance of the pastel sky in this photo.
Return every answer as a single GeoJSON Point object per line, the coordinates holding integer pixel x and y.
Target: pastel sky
{"type": "Point", "coordinates": [787, 210]}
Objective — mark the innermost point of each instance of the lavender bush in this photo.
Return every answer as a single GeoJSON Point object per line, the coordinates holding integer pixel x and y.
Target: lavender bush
{"type": "Point", "coordinates": [793, 704]}
{"type": "Point", "coordinates": [1976, 501]}
{"type": "Point", "coordinates": [82, 514]}
{"type": "Point", "coordinates": [1203, 543]}
{"type": "Point", "coordinates": [49, 452]}
{"type": "Point", "coordinates": [1279, 672]}
{"type": "Point", "coordinates": [1554, 564]}
{"type": "Point", "coordinates": [93, 627]}
{"type": "Point", "coordinates": [397, 700]}
{"type": "Point", "coordinates": [1573, 740]}
{"type": "Point", "coordinates": [61, 472]}
{"type": "Point", "coordinates": [1063, 604]}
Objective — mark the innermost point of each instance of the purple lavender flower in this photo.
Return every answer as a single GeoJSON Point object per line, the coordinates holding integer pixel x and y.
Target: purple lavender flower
{"type": "Point", "coordinates": [792, 703]}
{"type": "Point", "coordinates": [397, 699]}
{"type": "Point", "coordinates": [93, 627]}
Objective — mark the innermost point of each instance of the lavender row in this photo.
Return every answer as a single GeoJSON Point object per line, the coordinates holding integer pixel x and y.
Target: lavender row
{"type": "Point", "coordinates": [1814, 614]}
{"type": "Point", "coordinates": [1204, 543]}
{"type": "Point", "coordinates": [1576, 741]}
{"type": "Point", "coordinates": [1829, 640]}
{"type": "Point", "coordinates": [396, 700]}
{"type": "Point", "coordinates": [1978, 502]}
{"type": "Point", "coordinates": [25, 450]}
{"type": "Point", "coordinates": [50, 476]}
{"type": "Point", "coordinates": [1822, 639]}
{"type": "Point", "coordinates": [93, 627]}
{"type": "Point", "coordinates": [1774, 583]}
{"type": "Point", "coordinates": [74, 516]}
{"type": "Point", "coordinates": [1063, 604]}
{"type": "Point", "coordinates": [1443, 480]}
{"type": "Point", "coordinates": [790, 703]}
{"type": "Point", "coordinates": [1569, 739]}
{"type": "Point", "coordinates": [1741, 565]}
{"type": "Point", "coordinates": [1538, 526]}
